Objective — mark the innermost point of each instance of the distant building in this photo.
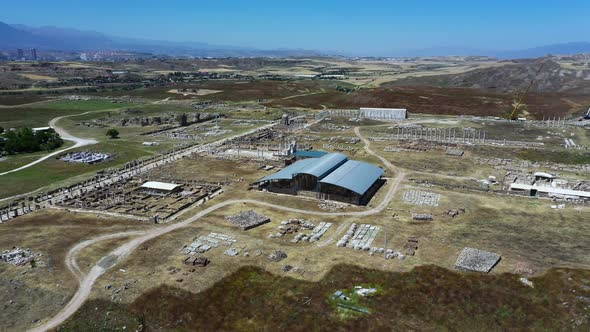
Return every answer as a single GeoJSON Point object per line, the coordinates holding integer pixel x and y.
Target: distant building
{"type": "Point", "coordinates": [383, 113]}
{"type": "Point", "coordinates": [20, 54]}
{"type": "Point", "coordinates": [34, 54]}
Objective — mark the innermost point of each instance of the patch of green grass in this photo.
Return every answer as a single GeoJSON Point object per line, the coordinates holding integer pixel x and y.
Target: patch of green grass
{"type": "Point", "coordinates": [15, 161]}
{"type": "Point", "coordinates": [54, 171]}
{"type": "Point", "coordinates": [41, 114]}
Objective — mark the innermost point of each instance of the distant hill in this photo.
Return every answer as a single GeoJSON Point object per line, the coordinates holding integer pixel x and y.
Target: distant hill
{"type": "Point", "coordinates": [541, 51]}
{"type": "Point", "coordinates": [513, 76]}
{"type": "Point", "coordinates": [14, 36]}
{"type": "Point", "coordinates": [63, 39]}
{"type": "Point", "coordinates": [536, 52]}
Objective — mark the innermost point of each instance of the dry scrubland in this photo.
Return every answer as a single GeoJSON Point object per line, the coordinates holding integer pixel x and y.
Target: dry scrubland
{"type": "Point", "coordinates": [41, 291]}
{"type": "Point", "coordinates": [247, 293]}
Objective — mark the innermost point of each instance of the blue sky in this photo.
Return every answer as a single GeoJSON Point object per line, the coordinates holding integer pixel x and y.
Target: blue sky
{"type": "Point", "coordinates": [353, 27]}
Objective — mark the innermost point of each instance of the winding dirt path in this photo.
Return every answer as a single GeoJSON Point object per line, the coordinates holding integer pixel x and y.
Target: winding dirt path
{"type": "Point", "coordinates": [86, 282]}
{"type": "Point", "coordinates": [64, 135]}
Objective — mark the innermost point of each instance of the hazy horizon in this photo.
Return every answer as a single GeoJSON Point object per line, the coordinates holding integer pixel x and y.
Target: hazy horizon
{"type": "Point", "coordinates": [375, 28]}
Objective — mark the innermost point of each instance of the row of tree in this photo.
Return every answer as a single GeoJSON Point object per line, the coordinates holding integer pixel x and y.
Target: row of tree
{"type": "Point", "coordinates": [25, 140]}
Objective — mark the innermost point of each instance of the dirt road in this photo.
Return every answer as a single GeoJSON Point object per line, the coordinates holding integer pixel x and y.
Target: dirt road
{"type": "Point", "coordinates": [87, 281]}
{"type": "Point", "coordinates": [64, 135]}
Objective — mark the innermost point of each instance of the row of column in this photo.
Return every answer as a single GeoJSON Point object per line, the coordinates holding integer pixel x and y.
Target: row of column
{"type": "Point", "coordinates": [128, 170]}
{"type": "Point", "coordinates": [555, 122]}
{"type": "Point", "coordinates": [442, 135]}
{"type": "Point", "coordinates": [345, 113]}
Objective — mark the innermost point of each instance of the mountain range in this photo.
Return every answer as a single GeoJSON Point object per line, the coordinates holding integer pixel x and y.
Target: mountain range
{"type": "Point", "coordinates": [13, 36]}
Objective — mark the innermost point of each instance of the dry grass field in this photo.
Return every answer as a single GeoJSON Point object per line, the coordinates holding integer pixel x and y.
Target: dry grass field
{"type": "Point", "coordinates": [151, 289]}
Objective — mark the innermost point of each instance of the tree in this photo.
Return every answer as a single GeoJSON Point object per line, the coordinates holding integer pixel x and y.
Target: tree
{"type": "Point", "coordinates": [183, 120]}
{"type": "Point", "coordinates": [27, 140]}
{"type": "Point", "coordinates": [113, 133]}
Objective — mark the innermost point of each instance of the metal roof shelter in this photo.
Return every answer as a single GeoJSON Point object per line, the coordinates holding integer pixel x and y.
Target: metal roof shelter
{"type": "Point", "coordinates": [355, 176]}
{"type": "Point", "coordinates": [288, 172]}
{"type": "Point", "coordinates": [160, 186]}
{"type": "Point", "coordinates": [324, 165]}
{"type": "Point", "coordinates": [334, 169]}
{"type": "Point", "coordinates": [310, 154]}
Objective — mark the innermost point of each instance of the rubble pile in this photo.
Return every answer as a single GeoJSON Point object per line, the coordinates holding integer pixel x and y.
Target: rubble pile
{"type": "Point", "coordinates": [333, 127]}
{"type": "Point", "coordinates": [196, 261]}
{"type": "Point", "coordinates": [362, 291]}
{"type": "Point", "coordinates": [277, 256]}
{"type": "Point", "coordinates": [292, 226]}
{"type": "Point", "coordinates": [85, 157]}
{"type": "Point", "coordinates": [204, 243]}
{"type": "Point", "coordinates": [424, 198]}
{"type": "Point", "coordinates": [142, 121]}
{"type": "Point", "coordinates": [411, 246]}
{"type": "Point", "coordinates": [247, 219]}
{"type": "Point", "coordinates": [525, 165]}
{"type": "Point", "coordinates": [331, 206]}
{"type": "Point", "coordinates": [471, 259]}
{"type": "Point", "coordinates": [18, 256]}
{"type": "Point", "coordinates": [232, 252]}
{"type": "Point", "coordinates": [455, 152]}
{"type": "Point", "coordinates": [344, 139]}
{"type": "Point", "coordinates": [454, 212]}
{"type": "Point", "coordinates": [524, 268]}
{"type": "Point", "coordinates": [316, 233]}
{"type": "Point", "coordinates": [359, 237]}
{"type": "Point", "coordinates": [422, 217]}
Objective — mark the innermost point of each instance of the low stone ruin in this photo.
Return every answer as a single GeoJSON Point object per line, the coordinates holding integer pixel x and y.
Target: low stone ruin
{"type": "Point", "coordinates": [422, 217]}
{"type": "Point", "coordinates": [455, 152]}
{"type": "Point", "coordinates": [232, 252]}
{"type": "Point", "coordinates": [196, 261]}
{"type": "Point", "coordinates": [292, 226]}
{"type": "Point", "coordinates": [203, 243]}
{"type": "Point", "coordinates": [454, 212]}
{"type": "Point", "coordinates": [18, 256]}
{"type": "Point", "coordinates": [331, 206]}
{"type": "Point", "coordinates": [411, 246]}
{"type": "Point", "coordinates": [471, 259]}
{"type": "Point", "coordinates": [300, 226]}
{"type": "Point", "coordinates": [247, 219]}
{"type": "Point", "coordinates": [316, 233]}
{"type": "Point", "coordinates": [359, 237]}
{"type": "Point", "coordinates": [421, 198]}
{"type": "Point", "coordinates": [409, 249]}
{"type": "Point", "coordinates": [277, 256]}
{"type": "Point", "coordinates": [387, 253]}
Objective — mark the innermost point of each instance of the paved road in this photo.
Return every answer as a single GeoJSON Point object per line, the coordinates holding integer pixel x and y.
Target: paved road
{"type": "Point", "coordinates": [87, 281]}
{"type": "Point", "coordinates": [64, 135]}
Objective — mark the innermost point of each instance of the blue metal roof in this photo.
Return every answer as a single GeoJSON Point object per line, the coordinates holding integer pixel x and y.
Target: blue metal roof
{"type": "Point", "coordinates": [309, 154]}
{"type": "Point", "coordinates": [288, 172]}
{"type": "Point", "coordinates": [324, 165]}
{"type": "Point", "coordinates": [353, 175]}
